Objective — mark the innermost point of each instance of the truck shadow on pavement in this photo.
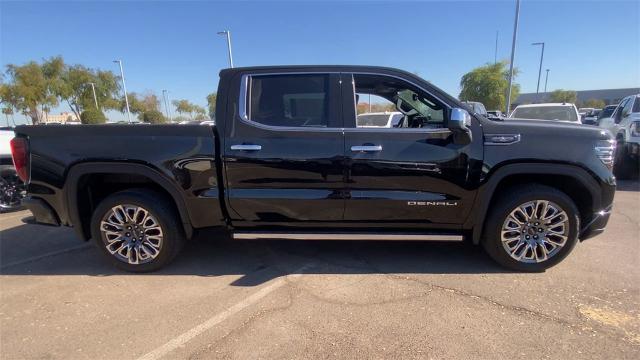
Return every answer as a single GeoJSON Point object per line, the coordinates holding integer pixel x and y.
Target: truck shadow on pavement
{"type": "Point", "coordinates": [37, 250]}
{"type": "Point", "coordinates": [626, 185]}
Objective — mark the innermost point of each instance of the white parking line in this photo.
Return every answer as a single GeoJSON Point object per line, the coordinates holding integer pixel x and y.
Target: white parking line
{"type": "Point", "coordinates": [220, 317]}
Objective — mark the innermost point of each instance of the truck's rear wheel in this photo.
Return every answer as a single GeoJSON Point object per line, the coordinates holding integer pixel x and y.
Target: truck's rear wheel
{"type": "Point", "coordinates": [137, 230]}
{"type": "Point", "coordinates": [531, 228]}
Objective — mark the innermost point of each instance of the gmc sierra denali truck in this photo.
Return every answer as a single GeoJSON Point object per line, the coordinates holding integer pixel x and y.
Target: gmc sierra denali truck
{"type": "Point", "coordinates": [287, 160]}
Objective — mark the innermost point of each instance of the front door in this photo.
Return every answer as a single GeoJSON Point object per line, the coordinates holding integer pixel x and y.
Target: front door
{"type": "Point", "coordinates": [406, 175]}
{"type": "Point", "coordinates": [284, 152]}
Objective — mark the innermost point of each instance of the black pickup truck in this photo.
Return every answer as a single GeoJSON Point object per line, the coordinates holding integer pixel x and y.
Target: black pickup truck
{"type": "Point", "coordinates": [287, 160]}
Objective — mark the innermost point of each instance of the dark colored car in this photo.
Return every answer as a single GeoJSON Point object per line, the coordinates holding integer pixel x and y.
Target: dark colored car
{"type": "Point", "coordinates": [11, 187]}
{"type": "Point", "coordinates": [287, 160]}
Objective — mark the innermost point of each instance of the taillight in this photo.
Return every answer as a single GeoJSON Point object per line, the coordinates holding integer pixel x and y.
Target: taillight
{"type": "Point", "coordinates": [20, 154]}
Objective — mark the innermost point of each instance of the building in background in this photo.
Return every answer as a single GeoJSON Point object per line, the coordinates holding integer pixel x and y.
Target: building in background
{"type": "Point", "coordinates": [62, 118]}
{"type": "Point", "coordinates": [609, 96]}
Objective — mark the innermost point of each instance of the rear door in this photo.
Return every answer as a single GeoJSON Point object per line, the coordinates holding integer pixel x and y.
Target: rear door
{"type": "Point", "coordinates": [284, 151]}
{"type": "Point", "coordinates": [410, 176]}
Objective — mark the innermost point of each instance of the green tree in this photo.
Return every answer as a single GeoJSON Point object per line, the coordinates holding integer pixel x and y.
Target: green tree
{"type": "Point", "coordinates": [153, 117]}
{"type": "Point", "coordinates": [200, 112]}
{"type": "Point", "coordinates": [150, 102]}
{"type": "Point", "coordinates": [92, 116]}
{"type": "Point", "coordinates": [488, 84]}
{"type": "Point", "coordinates": [32, 87]}
{"type": "Point", "coordinates": [594, 103]}
{"type": "Point", "coordinates": [211, 102]}
{"type": "Point", "coordinates": [184, 107]}
{"type": "Point", "coordinates": [74, 88]}
{"type": "Point", "coordinates": [563, 96]}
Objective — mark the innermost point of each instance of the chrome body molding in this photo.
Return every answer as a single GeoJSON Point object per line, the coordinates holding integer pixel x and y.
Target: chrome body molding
{"type": "Point", "coordinates": [501, 139]}
{"type": "Point", "coordinates": [345, 236]}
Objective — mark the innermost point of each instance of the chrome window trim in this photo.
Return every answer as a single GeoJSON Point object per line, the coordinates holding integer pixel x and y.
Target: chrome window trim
{"type": "Point", "coordinates": [244, 106]}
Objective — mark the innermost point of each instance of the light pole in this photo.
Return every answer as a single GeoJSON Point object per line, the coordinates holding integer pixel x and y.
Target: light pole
{"type": "Point", "coordinates": [513, 55]}
{"type": "Point", "coordinates": [95, 98]}
{"type": "Point", "coordinates": [124, 87]}
{"type": "Point", "coordinates": [540, 68]}
{"type": "Point", "coordinates": [166, 104]}
{"type": "Point", "coordinates": [546, 78]}
{"type": "Point", "coordinates": [227, 33]}
{"type": "Point", "coordinates": [495, 55]}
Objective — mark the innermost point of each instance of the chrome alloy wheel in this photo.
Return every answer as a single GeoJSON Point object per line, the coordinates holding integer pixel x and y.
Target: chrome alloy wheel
{"type": "Point", "coordinates": [131, 234]}
{"type": "Point", "coordinates": [535, 231]}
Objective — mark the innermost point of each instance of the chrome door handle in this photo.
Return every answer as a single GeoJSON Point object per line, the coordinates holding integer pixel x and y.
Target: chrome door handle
{"type": "Point", "coordinates": [366, 148]}
{"type": "Point", "coordinates": [246, 147]}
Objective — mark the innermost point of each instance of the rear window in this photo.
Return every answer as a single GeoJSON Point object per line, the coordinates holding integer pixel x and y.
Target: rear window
{"type": "Point", "coordinates": [557, 113]}
{"type": "Point", "coordinates": [290, 100]}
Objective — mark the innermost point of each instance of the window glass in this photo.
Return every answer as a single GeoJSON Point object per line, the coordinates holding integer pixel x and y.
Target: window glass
{"type": "Point", "coordinates": [627, 107]}
{"type": "Point", "coordinates": [618, 113]}
{"type": "Point", "coordinates": [408, 106]}
{"type": "Point", "coordinates": [290, 100]}
{"type": "Point", "coordinates": [606, 112]}
{"type": "Point", "coordinates": [636, 105]}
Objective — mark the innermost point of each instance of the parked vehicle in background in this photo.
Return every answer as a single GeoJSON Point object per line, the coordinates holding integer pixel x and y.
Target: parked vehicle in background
{"type": "Point", "coordinates": [584, 111]}
{"type": "Point", "coordinates": [385, 119]}
{"type": "Point", "coordinates": [606, 113]}
{"type": "Point", "coordinates": [11, 187]}
{"type": "Point", "coordinates": [476, 107]}
{"type": "Point", "coordinates": [288, 159]}
{"type": "Point", "coordinates": [591, 117]}
{"type": "Point", "coordinates": [495, 114]}
{"type": "Point", "coordinates": [624, 124]}
{"type": "Point", "coordinates": [550, 111]}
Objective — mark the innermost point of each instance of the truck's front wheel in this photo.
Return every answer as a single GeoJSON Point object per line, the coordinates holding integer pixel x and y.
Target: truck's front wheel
{"type": "Point", "coordinates": [531, 228]}
{"type": "Point", "coordinates": [137, 230]}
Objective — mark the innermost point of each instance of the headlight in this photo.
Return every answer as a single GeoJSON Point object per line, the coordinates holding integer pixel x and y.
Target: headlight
{"type": "Point", "coordinates": [605, 150]}
{"type": "Point", "coordinates": [635, 128]}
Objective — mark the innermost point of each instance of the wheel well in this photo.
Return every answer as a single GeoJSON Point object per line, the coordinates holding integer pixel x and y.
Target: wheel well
{"type": "Point", "coordinates": [567, 184]}
{"type": "Point", "coordinates": [95, 187]}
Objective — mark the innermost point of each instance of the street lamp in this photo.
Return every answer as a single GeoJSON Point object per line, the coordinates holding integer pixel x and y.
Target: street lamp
{"type": "Point", "coordinates": [95, 98]}
{"type": "Point", "coordinates": [539, 69]}
{"type": "Point", "coordinates": [513, 55]}
{"type": "Point", "coordinates": [546, 78]}
{"type": "Point", "coordinates": [227, 33]}
{"type": "Point", "coordinates": [124, 87]}
{"type": "Point", "coordinates": [166, 104]}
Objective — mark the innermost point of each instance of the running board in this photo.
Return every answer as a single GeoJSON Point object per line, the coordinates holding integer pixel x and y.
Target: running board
{"type": "Point", "coordinates": [345, 236]}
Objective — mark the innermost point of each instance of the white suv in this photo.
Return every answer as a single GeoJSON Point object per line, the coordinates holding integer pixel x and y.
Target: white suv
{"type": "Point", "coordinates": [379, 120]}
{"type": "Point", "coordinates": [550, 112]}
{"type": "Point", "coordinates": [624, 124]}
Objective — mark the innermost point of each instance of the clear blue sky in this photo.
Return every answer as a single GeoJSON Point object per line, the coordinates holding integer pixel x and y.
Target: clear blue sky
{"type": "Point", "coordinates": [174, 46]}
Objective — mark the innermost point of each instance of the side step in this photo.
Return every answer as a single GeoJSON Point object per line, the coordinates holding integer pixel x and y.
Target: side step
{"type": "Point", "coordinates": [345, 236]}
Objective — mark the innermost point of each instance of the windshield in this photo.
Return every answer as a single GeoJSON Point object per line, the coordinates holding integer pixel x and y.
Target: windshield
{"type": "Point", "coordinates": [376, 120]}
{"type": "Point", "coordinates": [557, 113]}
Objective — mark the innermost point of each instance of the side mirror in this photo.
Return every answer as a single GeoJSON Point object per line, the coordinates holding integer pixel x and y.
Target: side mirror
{"type": "Point", "coordinates": [459, 123]}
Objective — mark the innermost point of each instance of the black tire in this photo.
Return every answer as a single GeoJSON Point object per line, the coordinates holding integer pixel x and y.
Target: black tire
{"type": "Point", "coordinates": [160, 208]}
{"type": "Point", "coordinates": [509, 200]}
{"type": "Point", "coordinates": [623, 166]}
{"type": "Point", "coordinates": [11, 190]}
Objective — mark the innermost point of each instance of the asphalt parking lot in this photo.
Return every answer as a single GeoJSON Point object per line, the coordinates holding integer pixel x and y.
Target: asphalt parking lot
{"type": "Point", "coordinates": [320, 299]}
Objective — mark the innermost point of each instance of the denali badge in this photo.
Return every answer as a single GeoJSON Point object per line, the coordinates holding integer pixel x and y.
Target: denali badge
{"type": "Point", "coordinates": [432, 203]}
